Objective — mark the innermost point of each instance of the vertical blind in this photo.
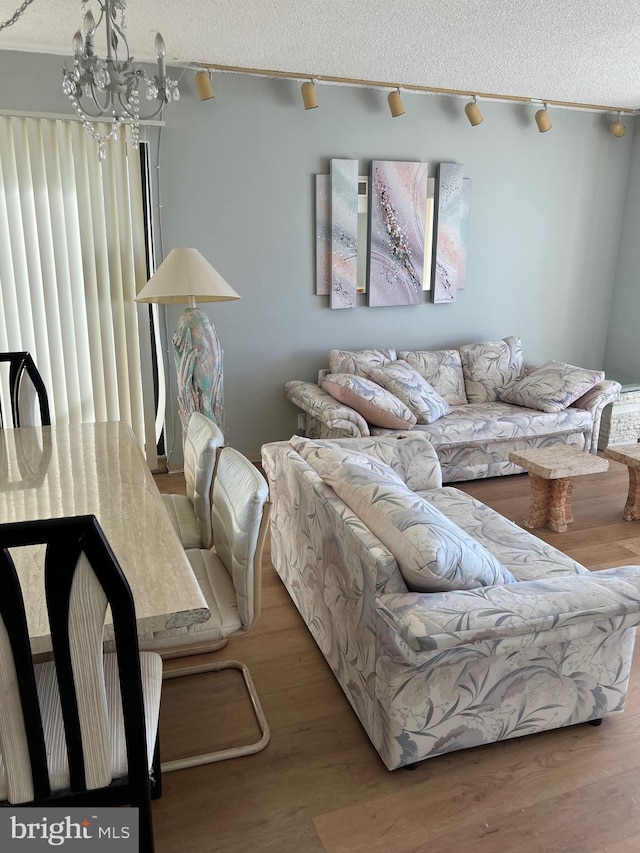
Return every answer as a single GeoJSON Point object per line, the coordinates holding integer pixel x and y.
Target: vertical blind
{"type": "Point", "coordinates": [72, 257]}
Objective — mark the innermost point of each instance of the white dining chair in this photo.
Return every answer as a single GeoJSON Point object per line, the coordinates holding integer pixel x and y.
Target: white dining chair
{"type": "Point", "coordinates": [190, 514]}
{"type": "Point", "coordinates": [230, 576]}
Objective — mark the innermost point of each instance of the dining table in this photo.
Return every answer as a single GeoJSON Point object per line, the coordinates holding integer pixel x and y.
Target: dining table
{"type": "Point", "coordinates": [97, 469]}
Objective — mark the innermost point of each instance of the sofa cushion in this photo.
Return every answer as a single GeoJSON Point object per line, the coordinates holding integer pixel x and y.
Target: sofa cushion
{"type": "Point", "coordinates": [403, 380]}
{"type": "Point", "coordinates": [525, 556]}
{"type": "Point", "coordinates": [432, 553]}
{"type": "Point", "coordinates": [410, 455]}
{"type": "Point", "coordinates": [489, 367]}
{"type": "Point", "coordinates": [551, 387]}
{"type": "Point", "coordinates": [443, 371]}
{"type": "Point", "coordinates": [361, 361]}
{"type": "Point", "coordinates": [376, 405]}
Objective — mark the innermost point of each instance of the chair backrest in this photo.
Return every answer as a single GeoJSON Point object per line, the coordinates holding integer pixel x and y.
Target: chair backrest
{"type": "Point", "coordinates": [201, 444]}
{"type": "Point", "coordinates": [239, 516]}
{"type": "Point", "coordinates": [23, 387]}
{"type": "Point", "coordinates": [81, 578]}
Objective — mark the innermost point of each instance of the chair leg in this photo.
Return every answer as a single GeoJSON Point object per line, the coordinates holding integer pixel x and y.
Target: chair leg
{"type": "Point", "coordinates": [156, 782]}
{"type": "Point", "coordinates": [235, 751]}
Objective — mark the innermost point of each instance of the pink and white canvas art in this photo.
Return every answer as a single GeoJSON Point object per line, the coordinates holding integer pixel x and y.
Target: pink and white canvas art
{"type": "Point", "coordinates": [451, 232]}
{"type": "Point", "coordinates": [398, 198]}
{"type": "Point", "coordinates": [323, 235]}
{"type": "Point", "coordinates": [344, 233]}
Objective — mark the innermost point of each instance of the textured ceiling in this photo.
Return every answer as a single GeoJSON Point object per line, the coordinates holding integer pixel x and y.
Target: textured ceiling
{"type": "Point", "coordinates": [583, 51]}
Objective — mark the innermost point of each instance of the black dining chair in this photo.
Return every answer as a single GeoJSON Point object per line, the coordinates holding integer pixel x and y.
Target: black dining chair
{"type": "Point", "coordinates": [81, 729]}
{"type": "Point", "coordinates": [25, 385]}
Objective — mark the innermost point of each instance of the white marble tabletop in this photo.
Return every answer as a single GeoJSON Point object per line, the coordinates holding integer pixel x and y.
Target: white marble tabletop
{"type": "Point", "coordinates": [558, 462]}
{"type": "Point", "coordinates": [98, 469]}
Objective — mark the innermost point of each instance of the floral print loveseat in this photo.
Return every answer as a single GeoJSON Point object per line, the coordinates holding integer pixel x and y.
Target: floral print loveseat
{"type": "Point", "coordinates": [507, 637]}
{"type": "Point", "coordinates": [475, 404]}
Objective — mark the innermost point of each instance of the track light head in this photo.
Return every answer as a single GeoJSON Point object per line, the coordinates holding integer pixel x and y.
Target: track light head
{"type": "Point", "coordinates": [395, 103]}
{"type": "Point", "coordinates": [309, 95]}
{"type": "Point", "coordinates": [473, 113]}
{"type": "Point", "coordinates": [542, 120]}
{"type": "Point", "coordinates": [617, 128]}
{"type": "Point", "coordinates": [204, 86]}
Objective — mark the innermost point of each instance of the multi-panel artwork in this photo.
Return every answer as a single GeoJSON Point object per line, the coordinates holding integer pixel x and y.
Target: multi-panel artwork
{"type": "Point", "coordinates": [344, 233]}
{"type": "Point", "coordinates": [397, 232]}
{"type": "Point", "coordinates": [405, 257]}
{"type": "Point", "coordinates": [452, 203]}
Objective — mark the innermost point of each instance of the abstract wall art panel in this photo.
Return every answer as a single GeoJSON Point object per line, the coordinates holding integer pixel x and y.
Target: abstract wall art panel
{"type": "Point", "coordinates": [450, 258]}
{"type": "Point", "coordinates": [464, 231]}
{"type": "Point", "coordinates": [428, 234]}
{"type": "Point", "coordinates": [398, 193]}
{"type": "Point", "coordinates": [344, 233]}
{"type": "Point", "coordinates": [323, 235]}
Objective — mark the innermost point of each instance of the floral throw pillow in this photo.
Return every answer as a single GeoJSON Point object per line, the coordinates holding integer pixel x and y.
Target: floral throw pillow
{"type": "Point", "coordinates": [443, 371]}
{"type": "Point", "coordinates": [376, 405]}
{"type": "Point", "coordinates": [359, 362]}
{"type": "Point", "coordinates": [490, 366]}
{"type": "Point", "coordinates": [433, 553]}
{"type": "Point", "coordinates": [551, 387]}
{"type": "Point", "coordinates": [412, 389]}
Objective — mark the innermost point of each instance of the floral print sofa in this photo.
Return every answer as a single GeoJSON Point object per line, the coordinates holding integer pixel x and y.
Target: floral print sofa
{"type": "Point", "coordinates": [507, 637]}
{"type": "Point", "coordinates": [475, 404]}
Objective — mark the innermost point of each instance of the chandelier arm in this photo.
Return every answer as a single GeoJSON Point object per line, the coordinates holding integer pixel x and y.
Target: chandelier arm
{"type": "Point", "coordinates": [102, 108]}
{"type": "Point", "coordinates": [113, 26]}
{"type": "Point", "coordinates": [131, 114]}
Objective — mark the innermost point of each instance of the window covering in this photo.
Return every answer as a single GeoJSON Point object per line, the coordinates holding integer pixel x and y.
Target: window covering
{"type": "Point", "coordinates": [71, 261]}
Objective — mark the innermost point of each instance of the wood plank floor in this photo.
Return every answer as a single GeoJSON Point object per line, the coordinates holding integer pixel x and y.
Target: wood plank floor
{"type": "Point", "coordinates": [319, 787]}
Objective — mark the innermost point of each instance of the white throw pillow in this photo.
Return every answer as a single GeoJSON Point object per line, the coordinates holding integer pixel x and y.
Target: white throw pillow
{"type": "Point", "coordinates": [490, 366]}
{"type": "Point", "coordinates": [551, 387]}
{"type": "Point", "coordinates": [359, 362]}
{"type": "Point", "coordinates": [433, 554]}
{"type": "Point", "coordinates": [376, 405]}
{"type": "Point", "coordinates": [412, 456]}
{"type": "Point", "coordinates": [443, 371]}
{"type": "Point", "coordinates": [412, 389]}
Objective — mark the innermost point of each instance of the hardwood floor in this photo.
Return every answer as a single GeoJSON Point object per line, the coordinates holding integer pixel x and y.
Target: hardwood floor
{"type": "Point", "coordinates": [319, 787]}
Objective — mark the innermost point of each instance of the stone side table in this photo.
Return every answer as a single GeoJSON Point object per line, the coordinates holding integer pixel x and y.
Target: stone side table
{"type": "Point", "coordinates": [550, 472]}
{"type": "Point", "coordinates": [620, 422]}
{"type": "Point", "coordinates": [629, 455]}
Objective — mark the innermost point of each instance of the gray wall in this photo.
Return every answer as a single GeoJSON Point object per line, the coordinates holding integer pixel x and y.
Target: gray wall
{"type": "Point", "coordinates": [622, 353]}
{"type": "Point", "coordinates": [237, 183]}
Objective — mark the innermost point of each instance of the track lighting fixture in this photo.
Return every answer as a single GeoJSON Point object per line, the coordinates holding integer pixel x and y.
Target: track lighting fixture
{"type": "Point", "coordinates": [204, 86]}
{"type": "Point", "coordinates": [395, 103]}
{"type": "Point", "coordinates": [542, 120]}
{"type": "Point", "coordinates": [309, 96]}
{"type": "Point", "coordinates": [617, 128]}
{"type": "Point", "coordinates": [473, 112]}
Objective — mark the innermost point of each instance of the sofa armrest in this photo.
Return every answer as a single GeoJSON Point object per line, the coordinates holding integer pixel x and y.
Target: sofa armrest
{"type": "Point", "coordinates": [321, 406]}
{"type": "Point", "coordinates": [594, 401]}
{"type": "Point", "coordinates": [517, 615]}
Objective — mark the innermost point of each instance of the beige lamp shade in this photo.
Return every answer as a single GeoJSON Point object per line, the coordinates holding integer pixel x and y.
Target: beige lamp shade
{"type": "Point", "coordinates": [204, 86]}
{"type": "Point", "coordinates": [185, 276]}
{"type": "Point", "coordinates": [617, 128]}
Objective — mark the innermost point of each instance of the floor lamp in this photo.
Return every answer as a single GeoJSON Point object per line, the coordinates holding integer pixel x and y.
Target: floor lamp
{"type": "Point", "coordinates": [185, 276]}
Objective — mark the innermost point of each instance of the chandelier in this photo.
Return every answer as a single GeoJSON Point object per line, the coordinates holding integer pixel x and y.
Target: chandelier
{"type": "Point", "coordinates": [109, 87]}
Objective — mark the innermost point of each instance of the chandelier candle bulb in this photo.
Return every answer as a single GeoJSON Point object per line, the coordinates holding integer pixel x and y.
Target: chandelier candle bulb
{"type": "Point", "coordinates": [160, 53]}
